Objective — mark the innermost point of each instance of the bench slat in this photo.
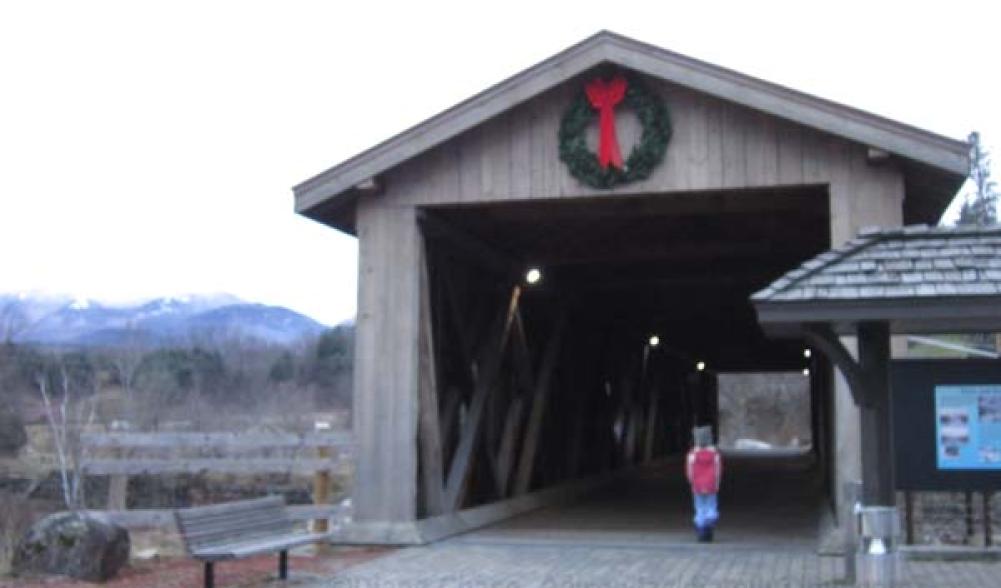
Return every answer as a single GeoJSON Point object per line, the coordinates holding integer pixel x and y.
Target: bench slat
{"type": "Point", "coordinates": [247, 548]}
{"type": "Point", "coordinates": [247, 520]}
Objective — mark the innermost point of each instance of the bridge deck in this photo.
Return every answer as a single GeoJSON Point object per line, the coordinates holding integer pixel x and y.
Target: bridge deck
{"type": "Point", "coordinates": [638, 533]}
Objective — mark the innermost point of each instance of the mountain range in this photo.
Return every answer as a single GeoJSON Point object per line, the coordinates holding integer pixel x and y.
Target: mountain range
{"type": "Point", "coordinates": [60, 320]}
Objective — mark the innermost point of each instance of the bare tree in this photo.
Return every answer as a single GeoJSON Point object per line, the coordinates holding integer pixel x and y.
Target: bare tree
{"type": "Point", "coordinates": [67, 418]}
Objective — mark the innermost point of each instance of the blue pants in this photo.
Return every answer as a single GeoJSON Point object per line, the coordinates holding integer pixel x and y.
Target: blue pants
{"type": "Point", "coordinates": [706, 513]}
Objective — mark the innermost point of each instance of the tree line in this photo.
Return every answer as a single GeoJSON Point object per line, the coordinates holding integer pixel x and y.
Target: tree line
{"type": "Point", "coordinates": [137, 386]}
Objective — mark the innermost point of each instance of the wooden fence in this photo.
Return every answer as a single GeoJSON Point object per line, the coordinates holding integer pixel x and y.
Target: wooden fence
{"type": "Point", "coordinates": [120, 455]}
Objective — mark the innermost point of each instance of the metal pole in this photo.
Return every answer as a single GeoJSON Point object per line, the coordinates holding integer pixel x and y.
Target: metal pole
{"type": "Point", "coordinates": [849, 523]}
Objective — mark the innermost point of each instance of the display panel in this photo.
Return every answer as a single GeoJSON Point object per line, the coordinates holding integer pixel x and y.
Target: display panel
{"type": "Point", "coordinates": [946, 424]}
{"type": "Point", "coordinates": [968, 427]}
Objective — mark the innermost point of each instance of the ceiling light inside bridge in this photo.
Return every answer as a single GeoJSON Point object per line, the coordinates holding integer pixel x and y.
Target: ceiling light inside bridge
{"type": "Point", "coordinates": [533, 275]}
{"type": "Point", "coordinates": [701, 366]}
{"type": "Point", "coordinates": [807, 353]}
{"type": "Point", "coordinates": [654, 340]}
{"type": "Point", "coordinates": [806, 371]}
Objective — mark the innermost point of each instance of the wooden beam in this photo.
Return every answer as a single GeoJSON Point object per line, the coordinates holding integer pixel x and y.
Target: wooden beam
{"type": "Point", "coordinates": [429, 428]}
{"type": "Point", "coordinates": [467, 243]}
{"type": "Point", "coordinates": [651, 425]}
{"type": "Point", "coordinates": [878, 488]}
{"type": "Point", "coordinates": [529, 449]}
{"type": "Point", "coordinates": [463, 461]}
{"type": "Point", "coordinates": [508, 445]}
{"type": "Point", "coordinates": [822, 337]}
{"type": "Point", "coordinates": [450, 416]}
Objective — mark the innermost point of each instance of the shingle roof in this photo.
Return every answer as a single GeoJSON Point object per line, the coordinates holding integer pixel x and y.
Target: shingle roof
{"type": "Point", "coordinates": [905, 263]}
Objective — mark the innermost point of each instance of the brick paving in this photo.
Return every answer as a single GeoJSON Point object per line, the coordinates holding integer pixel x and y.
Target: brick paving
{"type": "Point", "coordinates": [576, 564]}
{"type": "Point", "coordinates": [638, 535]}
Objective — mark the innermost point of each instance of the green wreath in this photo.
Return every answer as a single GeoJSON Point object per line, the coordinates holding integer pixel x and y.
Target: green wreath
{"type": "Point", "coordinates": [645, 156]}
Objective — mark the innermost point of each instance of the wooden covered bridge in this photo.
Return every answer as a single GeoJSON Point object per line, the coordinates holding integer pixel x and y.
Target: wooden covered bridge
{"type": "Point", "coordinates": [653, 194]}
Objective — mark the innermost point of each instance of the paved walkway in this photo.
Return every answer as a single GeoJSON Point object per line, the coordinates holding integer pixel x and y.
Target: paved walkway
{"type": "Point", "coordinates": [638, 534]}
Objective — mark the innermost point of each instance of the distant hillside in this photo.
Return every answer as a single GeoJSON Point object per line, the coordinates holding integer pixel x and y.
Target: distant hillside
{"type": "Point", "coordinates": [65, 321]}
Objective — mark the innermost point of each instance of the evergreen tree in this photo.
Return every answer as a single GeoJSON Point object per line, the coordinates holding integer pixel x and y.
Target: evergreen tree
{"type": "Point", "coordinates": [981, 205]}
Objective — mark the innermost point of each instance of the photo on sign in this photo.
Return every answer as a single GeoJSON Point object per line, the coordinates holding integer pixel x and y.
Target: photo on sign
{"type": "Point", "coordinates": [954, 431]}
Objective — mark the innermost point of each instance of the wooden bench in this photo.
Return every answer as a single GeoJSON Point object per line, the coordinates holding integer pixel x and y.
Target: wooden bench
{"type": "Point", "coordinates": [240, 529]}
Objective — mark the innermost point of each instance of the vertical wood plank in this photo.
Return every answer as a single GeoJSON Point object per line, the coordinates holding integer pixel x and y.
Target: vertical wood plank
{"type": "Point", "coordinates": [790, 157]}
{"type": "Point", "coordinates": [429, 428]}
{"type": "Point", "coordinates": [734, 155]}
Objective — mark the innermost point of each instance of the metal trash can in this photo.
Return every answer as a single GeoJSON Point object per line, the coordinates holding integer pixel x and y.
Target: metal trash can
{"type": "Point", "coordinates": [877, 561]}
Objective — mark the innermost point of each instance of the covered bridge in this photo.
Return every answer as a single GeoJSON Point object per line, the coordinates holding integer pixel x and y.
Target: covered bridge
{"type": "Point", "coordinates": [654, 194]}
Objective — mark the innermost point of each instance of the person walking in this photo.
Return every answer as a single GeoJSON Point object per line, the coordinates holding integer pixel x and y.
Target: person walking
{"type": "Point", "coordinates": [704, 469]}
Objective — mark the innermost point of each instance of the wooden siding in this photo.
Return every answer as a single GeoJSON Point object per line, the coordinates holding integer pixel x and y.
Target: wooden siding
{"type": "Point", "coordinates": [716, 145]}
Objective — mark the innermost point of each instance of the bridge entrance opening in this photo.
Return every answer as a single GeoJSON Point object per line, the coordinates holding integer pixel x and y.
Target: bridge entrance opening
{"type": "Point", "coordinates": [586, 336]}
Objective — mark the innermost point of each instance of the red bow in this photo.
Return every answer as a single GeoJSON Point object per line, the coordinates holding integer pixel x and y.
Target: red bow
{"type": "Point", "coordinates": [603, 96]}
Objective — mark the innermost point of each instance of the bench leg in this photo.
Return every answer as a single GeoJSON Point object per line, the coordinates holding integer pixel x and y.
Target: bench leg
{"type": "Point", "coordinates": [209, 575]}
{"type": "Point", "coordinates": [283, 565]}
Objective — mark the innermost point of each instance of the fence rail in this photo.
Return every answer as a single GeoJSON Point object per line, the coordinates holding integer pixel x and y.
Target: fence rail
{"type": "Point", "coordinates": [243, 441]}
{"type": "Point", "coordinates": [124, 454]}
{"type": "Point", "coordinates": [139, 466]}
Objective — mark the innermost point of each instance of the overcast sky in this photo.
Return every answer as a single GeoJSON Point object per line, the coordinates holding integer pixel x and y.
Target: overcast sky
{"type": "Point", "coordinates": [149, 148]}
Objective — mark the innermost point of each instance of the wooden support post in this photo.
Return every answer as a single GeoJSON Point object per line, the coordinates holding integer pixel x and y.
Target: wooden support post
{"type": "Point", "coordinates": [508, 445]}
{"type": "Point", "coordinates": [968, 512]}
{"type": "Point", "coordinates": [877, 427]}
{"type": "Point", "coordinates": [428, 427]}
{"type": "Point", "coordinates": [988, 539]}
{"type": "Point", "coordinates": [908, 517]}
{"type": "Point", "coordinates": [651, 425]}
{"type": "Point", "coordinates": [463, 461]}
{"type": "Point", "coordinates": [529, 449]}
{"type": "Point", "coordinates": [450, 417]}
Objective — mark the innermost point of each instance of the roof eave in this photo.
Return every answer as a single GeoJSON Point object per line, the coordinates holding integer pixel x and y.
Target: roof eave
{"type": "Point", "coordinates": [950, 314]}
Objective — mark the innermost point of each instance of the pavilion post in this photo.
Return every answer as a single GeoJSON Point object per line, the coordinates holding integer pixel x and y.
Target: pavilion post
{"type": "Point", "coordinates": [877, 426]}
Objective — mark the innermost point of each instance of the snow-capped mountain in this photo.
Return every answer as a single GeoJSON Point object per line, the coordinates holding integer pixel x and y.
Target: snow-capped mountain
{"type": "Point", "coordinates": [64, 320]}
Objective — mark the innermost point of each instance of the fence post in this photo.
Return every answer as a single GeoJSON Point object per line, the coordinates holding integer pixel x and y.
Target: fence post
{"type": "Point", "coordinates": [321, 483]}
{"type": "Point", "coordinates": [118, 485]}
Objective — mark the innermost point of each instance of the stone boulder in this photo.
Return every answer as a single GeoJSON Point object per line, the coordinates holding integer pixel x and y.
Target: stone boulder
{"type": "Point", "coordinates": [13, 435]}
{"type": "Point", "coordinates": [77, 545]}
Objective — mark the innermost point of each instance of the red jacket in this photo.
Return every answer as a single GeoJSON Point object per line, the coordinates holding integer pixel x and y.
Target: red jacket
{"type": "Point", "coordinates": [704, 468]}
